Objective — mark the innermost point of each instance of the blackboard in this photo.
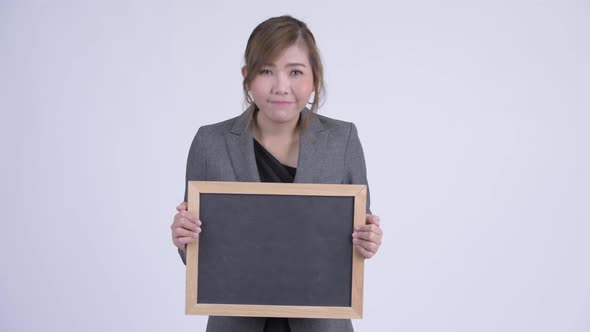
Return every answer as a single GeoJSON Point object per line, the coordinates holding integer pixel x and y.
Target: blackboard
{"type": "Point", "coordinates": [275, 250]}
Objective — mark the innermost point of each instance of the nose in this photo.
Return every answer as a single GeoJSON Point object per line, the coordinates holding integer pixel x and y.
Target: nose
{"type": "Point", "coordinates": [280, 84]}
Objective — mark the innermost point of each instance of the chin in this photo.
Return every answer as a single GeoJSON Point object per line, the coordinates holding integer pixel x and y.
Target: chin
{"type": "Point", "coordinates": [281, 115]}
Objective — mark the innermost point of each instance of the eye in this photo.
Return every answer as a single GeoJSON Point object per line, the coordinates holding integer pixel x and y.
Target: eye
{"type": "Point", "coordinates": [265, 72]}
{"type": "Point", "coordinates": [296, 72]}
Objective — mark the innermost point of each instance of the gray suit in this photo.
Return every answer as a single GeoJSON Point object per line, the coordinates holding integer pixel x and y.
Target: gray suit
{"type": "Point", "coordinates": [329, 152]}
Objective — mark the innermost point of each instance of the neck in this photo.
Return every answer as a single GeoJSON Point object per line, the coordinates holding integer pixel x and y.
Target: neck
{"type": "Point", "coordinates": [264, 129]}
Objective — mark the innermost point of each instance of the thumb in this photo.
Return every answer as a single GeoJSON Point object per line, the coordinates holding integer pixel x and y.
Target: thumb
{"type": "Point", "coordinates": [181, 207]}
{"type": "Point", "coordinates": [373, 219]}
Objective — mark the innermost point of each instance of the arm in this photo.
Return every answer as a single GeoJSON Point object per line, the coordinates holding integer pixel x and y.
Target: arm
{"type": "Point", "coordinates": [354, 163]}
{"type": "Point", "coordinates": [366, 238]}
{"type": "Point", "coordinates": [196, 169]}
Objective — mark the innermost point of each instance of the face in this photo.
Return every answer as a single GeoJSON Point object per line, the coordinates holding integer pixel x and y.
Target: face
{"type": "Point", "coordinates": [281, 89]}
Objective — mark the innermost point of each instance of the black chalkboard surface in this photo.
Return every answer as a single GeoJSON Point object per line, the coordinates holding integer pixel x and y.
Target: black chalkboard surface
{"type": "Point", "coordinates": [275, 250]}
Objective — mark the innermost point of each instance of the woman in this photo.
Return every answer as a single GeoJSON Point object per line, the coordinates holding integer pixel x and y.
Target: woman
{"type": "Point", "coordinates": [277, 139]}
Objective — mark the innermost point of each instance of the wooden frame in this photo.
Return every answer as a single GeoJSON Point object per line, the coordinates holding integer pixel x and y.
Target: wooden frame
{"type": "Point", "coordinates": [195, 188]}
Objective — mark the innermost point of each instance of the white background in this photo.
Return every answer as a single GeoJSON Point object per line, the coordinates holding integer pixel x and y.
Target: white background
{"type": "Point", "coordinates": [474, 117]}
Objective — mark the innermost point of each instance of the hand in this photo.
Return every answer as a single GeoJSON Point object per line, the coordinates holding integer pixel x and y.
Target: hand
{"type": "Point", "coordinates": [367, 238]}
{"type": "Point", "coordinates": [185, 227]}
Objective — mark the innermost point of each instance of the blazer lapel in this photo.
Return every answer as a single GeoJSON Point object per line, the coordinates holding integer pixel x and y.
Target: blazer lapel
{"type": "Point", "coordinates": [241, 149]}
{"type": "Point", "coordinates": [312, 148]}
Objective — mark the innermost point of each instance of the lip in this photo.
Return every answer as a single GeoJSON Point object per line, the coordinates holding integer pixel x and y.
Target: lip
{"type": "Point", "coordinates": [280, 102]}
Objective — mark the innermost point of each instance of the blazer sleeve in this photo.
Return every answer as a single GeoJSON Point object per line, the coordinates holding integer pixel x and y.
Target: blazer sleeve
{"type": "Point", "coordinates": [354, 163]}
{"type": "Point", "coordinates": [196, 169]}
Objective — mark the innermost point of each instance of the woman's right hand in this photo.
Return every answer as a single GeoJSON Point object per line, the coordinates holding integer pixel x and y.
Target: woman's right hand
{"type": "Point", "coordinates": [185, 227]}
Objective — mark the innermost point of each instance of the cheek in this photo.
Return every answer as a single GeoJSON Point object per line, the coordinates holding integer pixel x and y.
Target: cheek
{"type": "Point", "coordinates": [304, 95]}
{"type": "Point", "coordinates": [304, 89]}
{"type": "Point", "coordinates": [258, 89]}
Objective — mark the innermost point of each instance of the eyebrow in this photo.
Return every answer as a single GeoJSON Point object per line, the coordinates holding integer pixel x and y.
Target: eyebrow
{"type": "Point", "coordinates": [292, 64]}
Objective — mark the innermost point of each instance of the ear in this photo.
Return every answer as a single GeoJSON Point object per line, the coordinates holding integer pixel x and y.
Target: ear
{"type": "Point", "coordinates": [244, 72]}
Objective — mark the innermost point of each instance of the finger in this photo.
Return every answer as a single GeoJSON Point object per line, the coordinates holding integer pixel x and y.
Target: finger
{"type": "Point", "coordinates": [368, 228]}
{"type": "Point", "coordinates": [183, 240]}
{"type": "Point", "coordinates": [364, 252]}
{"type": "Point", "coordinates": [368, 236]}
{"type": "Point", "coordinates": [181, 232]}
{"type": "Point", "coordinates": [183, 223]}
{"type": "Point", "coordinates": [187, 224]}
{"type": "Point", "coordinates": [183, 215]}
{"type": "Point", "coordinates": [369, 246]}
{"type": "Point", "coordinates": [189, 216]}
{"type": "Point", "coordinates": [181, 207]}
{"type": "Point", "coordinates": [373, 219]}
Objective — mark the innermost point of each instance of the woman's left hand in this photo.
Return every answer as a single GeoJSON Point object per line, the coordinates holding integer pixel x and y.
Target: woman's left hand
{"type": "Point", "coordinates": [367, 238]}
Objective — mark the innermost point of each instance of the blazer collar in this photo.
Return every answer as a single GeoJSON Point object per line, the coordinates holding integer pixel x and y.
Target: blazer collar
{"type": "Point", "coordinates": [312, 145]}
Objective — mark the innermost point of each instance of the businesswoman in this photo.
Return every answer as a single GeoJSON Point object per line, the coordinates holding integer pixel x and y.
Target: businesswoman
{"type": "Point", "coordinates": [278, 139]}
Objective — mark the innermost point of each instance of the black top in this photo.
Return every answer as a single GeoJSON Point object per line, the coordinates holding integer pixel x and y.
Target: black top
{"type": "Point", "coordinates": [271, 170]}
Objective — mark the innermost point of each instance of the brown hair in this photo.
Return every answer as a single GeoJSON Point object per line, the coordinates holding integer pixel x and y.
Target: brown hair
{"type": "Point", "coordinates": [268, 40]}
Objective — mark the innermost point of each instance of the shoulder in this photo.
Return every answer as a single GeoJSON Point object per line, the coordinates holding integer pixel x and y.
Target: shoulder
{"type": "Point", "coordinates": [217, 129]}
{"type": "Point", "coordinates": [333, 124]}
{"type": "Point", "coordinates": [210, 137]}
{"type": "Point", "coordinates": [214, 133]}
{"type": "Point", "coordinates": [337, 128]}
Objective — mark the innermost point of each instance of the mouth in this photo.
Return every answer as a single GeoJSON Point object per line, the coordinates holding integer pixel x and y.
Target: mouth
{"type": "Point", "coordinates": [281, 102]}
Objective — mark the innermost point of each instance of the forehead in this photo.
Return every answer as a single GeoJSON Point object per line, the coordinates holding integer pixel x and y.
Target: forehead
{"type": "Point", "coordinates": [296, 53]}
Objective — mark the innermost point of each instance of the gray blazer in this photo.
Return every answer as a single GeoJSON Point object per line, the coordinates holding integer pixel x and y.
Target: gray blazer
{"type": "Point", "coordinates": [329, 152]}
